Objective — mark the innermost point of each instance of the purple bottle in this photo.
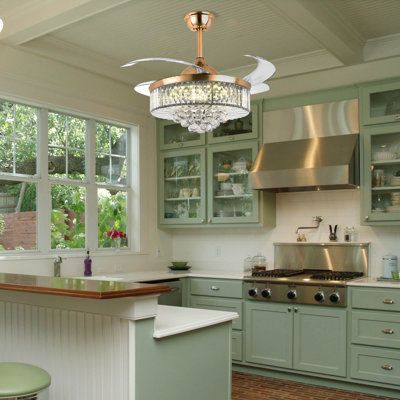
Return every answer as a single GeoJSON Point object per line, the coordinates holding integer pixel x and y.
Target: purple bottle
{"type": "Point", "coordinates": [88, 265]}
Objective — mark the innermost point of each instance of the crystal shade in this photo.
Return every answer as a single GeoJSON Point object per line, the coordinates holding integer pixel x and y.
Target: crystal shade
{"type": "Point", "coordinates": [200, 106]}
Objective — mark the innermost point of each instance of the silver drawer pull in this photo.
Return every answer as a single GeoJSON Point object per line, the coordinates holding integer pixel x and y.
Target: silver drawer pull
{"type": "Point", "coordinates": [397, 117]}
{"type": "Point", "coordinates": [388, 331]}
{"type": "Point", "coordinates": [387, 367]}
{"type": "Point", "coordinates": [214, 288]}
{"type": "Point", "coordinates": [388, 301]}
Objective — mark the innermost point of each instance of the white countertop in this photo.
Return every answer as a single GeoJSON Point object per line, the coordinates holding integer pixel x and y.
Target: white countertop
{"type": "Point", "coordinates": [174, 320]}
{"type": "Point", "coordinates": [155, 275]}
{"type": "Point", "coordinates": [373, 282]}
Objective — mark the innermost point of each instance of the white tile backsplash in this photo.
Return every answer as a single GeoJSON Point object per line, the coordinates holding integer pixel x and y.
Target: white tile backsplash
{"type": "Point", "coordinates": [225, 249]}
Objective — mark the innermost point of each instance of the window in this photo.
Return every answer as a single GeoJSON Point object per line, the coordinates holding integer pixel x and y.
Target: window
{"type": "Point", "coordinates": [51, 176]}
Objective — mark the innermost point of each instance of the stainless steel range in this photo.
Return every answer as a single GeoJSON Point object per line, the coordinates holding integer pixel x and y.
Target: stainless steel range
{"type": "Point", "coordinates": [309, 273]}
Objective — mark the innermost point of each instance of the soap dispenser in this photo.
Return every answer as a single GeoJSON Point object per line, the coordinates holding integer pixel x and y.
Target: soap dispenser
{"type": "Point", "coordinates": [88, 265]}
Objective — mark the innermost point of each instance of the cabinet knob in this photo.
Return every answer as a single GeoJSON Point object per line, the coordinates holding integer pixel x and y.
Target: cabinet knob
{"type": "Point", "coordinates": [388, 331]}
{"type": "Point", "coordinates": [397, 117]}
{"type": "Point", "coordinates": [388, 301]}
{"type": "Point", "coordinates": [231, 137]}
{"type": "Point", "coordinates": [296, 310]}
{"type": "Point", "coordinates": [215, 288]}
{"type": "Point", "coordinates": [289, 309]}
{"type": "Point", "coordinates": [203, 220]}
{"type": "Point", "coordinates": [366, 218]}
{"type": "Point", "coordinates": [387, 367]}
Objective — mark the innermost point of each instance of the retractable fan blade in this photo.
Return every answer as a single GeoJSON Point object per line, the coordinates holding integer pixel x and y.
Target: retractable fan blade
{"type": "Point", "coordinates": [171, 60]}
{"type": "Point", "coordinates": [259, 88]}
{"type": "Point", "coordinates": [262, 72]}
{"type": "Point", "coordinates": [143, 88]}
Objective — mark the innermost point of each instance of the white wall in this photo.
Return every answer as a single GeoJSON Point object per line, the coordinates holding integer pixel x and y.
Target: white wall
{"type": "Point", "coordinates": [226, 249]}
{"type": "Point", "coordinates": [30, 78]}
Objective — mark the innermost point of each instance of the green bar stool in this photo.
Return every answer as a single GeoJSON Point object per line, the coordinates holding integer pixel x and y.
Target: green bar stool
{"type": "Point", "coordinates": [20, 381]}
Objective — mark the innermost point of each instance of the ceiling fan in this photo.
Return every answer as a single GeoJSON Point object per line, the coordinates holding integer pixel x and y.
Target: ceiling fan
{"type": "Point", "coordinates": [199, 98]}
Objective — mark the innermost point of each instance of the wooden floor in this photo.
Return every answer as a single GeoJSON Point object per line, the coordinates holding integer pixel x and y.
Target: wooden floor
{"type": "Point", "coordinates": [254, 387]}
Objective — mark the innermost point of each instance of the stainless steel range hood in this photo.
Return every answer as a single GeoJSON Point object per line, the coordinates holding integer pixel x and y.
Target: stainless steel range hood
{"type": "Point", "coordinates": [328, 160]}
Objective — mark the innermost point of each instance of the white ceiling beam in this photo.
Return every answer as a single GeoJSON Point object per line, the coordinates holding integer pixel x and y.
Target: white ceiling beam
{"type": "Point", "coordinates": [40, 17]}
{"type": "Point", "coordinates": [325, 25]}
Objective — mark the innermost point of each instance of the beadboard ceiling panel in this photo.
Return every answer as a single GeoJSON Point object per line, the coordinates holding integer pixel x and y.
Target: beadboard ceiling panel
{"type": "Point", "coordinates": [149, 28]}
{"type": "Point", "coordinates": [372, 18]}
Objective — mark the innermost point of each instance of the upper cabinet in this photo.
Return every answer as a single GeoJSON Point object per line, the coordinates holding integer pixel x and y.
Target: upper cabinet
{"type": "Point", "coordinates": [381, 175]}
{"type": "Point", "coordinates": [380, 103]}
{"type": "Point", "coordinates": [174, 136]}
{"type": "Point", "coordinates": [237, 129]}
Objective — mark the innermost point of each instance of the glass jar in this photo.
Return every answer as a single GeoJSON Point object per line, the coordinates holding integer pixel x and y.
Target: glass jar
{"type": "Point", "coordinates": [259, 262]}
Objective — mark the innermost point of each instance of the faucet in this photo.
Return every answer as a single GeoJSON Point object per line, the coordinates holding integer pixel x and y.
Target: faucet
{"type": "Point", "coordinates": [316, 219]}
{"type": "Point", "coordinates": [57, 266]}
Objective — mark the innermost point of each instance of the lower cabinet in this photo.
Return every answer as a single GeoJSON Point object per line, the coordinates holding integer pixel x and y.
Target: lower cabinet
{"type": "Point", "coordinates": [210, 294]}
{"type": "Point", "coordinates": [305, 338]}
{"type": "Point", "coordinates": [375, 335]}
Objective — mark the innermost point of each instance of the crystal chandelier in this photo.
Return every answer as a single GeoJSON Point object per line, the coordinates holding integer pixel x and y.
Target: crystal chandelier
{"type": "Point", "coordinates": [199, 98]}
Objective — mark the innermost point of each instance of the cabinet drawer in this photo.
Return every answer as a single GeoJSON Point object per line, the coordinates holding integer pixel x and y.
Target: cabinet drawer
{"type": "Point", "coordinates": [376, 299]}
{"type": "Point", "coordinates": [212, 303]}
{"type": "Point", "coordinates": [216, 287]}
{"type": "Point", "coordinates": [375, 364]}
{"type": "Point", "coordinates": [237, 345]}
{"type": "Point", "coordinates": [375, 328]}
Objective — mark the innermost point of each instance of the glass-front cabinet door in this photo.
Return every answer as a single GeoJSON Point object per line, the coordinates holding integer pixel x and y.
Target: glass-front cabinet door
{"type": "Point", "coordinates": [237, 129]}
{"type": "Point", "coordinates": [182, 187]}
{"type": "Point", "coordinates": [381, 103]}
{"type": "Point", "coordinates": [230, 199]}
{"type": "Point", "coordinates": [174, 136]}
{"type": "Point", "coordinates": [381, 179]}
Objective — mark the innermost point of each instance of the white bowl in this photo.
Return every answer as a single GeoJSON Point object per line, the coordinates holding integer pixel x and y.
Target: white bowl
{"type": "Point", "coordinates": [384, 156]}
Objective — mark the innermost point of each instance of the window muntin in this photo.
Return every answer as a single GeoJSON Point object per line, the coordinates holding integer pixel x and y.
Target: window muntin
{"type": "Point", "coordinates": [66, 146]}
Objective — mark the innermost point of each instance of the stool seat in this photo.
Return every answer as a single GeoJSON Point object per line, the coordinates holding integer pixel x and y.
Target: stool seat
{"type": "Point", "coordinates": [18, 379]}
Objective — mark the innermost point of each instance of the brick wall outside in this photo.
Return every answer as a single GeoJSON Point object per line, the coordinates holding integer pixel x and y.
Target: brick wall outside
{"type": "Point", "coordinates": [20, 230]}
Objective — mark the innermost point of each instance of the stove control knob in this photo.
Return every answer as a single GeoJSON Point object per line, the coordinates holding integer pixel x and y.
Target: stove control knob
{"type": "Point", "coordinates": [334, 297]}
{"type": "Point", "coordinates": [319, 296]}
{"type": "Point", "coordinates": [253, 292]}
{"type": "Point", "coordinates": [266, 293]}
{"type": "Point", "coordinates": [291, 294]}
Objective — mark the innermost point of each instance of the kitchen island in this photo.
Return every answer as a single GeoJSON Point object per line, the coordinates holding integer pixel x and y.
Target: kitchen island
{"type": "Point", "coordinates": [110, 340]}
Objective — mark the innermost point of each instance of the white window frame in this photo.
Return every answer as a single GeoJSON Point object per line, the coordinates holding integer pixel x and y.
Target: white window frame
{"type": "Point", "coordinates": [44, 182]}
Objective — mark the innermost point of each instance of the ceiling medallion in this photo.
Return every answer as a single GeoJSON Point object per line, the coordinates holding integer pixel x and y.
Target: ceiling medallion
{"type": "Point", "coordinates": [199, 98]}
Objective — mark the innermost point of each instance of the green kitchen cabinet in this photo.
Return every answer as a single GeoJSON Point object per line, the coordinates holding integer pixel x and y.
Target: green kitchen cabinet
{"type": "Point", "coordinates": [319, 340]}
{"type": "Point", "coordinates": [221, 295]}
{"type": "Point", "coordinates": [375, 339]}
{"type": "Point", "coordinates": [304, 338]}
{"type": "Point", "coordinates": [269, 334]}
{"type": "Point", "coordinates": [230, 199]}
{"type": "Point", "coordinates": [182, 187]}
{"type": "Point", "coordinates": [380, 180]}
{"type": "Point", "coordinates": [238, 129]}
{"type": "Point", "coordinates": [380, 102]}
{"type": "Point", "coordinates": [174, 136]}
{"type": "Point", "coordinates": [188, 196]}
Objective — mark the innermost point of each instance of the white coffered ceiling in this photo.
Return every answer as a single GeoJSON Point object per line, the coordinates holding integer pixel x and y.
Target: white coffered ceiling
{"type": "Point", "coordinates": [298, 35]}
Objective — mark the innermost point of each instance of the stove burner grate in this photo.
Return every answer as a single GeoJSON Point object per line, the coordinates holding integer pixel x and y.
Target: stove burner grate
{"type": "Point", "coordinates": [336, 275]}
{"type": "Point", "coordinates": [277, 273]}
